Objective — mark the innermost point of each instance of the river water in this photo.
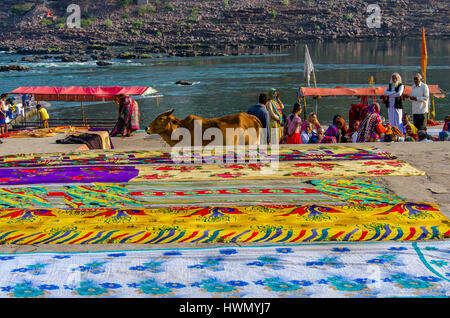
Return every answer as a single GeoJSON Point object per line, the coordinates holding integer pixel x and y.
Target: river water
{"type": "Point", "coordinates": [225, 85]}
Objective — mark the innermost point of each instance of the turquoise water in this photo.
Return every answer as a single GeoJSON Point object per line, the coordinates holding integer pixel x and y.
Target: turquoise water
{"type": "Point", "coordinates": [225, 85]}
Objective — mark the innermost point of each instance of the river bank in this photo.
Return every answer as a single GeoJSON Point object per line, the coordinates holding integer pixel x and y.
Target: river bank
{"type": "Point", "coordinates": [208, 28]}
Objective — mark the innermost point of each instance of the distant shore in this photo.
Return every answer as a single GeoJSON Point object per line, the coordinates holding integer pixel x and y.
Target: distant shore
{"type": "Point", "coordinates": [209, 28]}
{"type": "Point", "coordinates": [85, 52]}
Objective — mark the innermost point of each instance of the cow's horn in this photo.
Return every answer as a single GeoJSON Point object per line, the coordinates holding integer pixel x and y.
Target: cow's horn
{"type": "Point", "coordinates": [169, 112]}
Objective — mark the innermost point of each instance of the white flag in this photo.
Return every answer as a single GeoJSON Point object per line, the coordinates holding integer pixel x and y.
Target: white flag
{"type": "Point", "coordinates": [309, 67]}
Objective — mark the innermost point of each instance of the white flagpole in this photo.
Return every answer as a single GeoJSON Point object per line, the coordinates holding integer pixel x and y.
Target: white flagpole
{"type": "Point", "coordinates": [309, 67]}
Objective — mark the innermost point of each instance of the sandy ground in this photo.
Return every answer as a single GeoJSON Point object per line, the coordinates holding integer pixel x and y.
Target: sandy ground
{"type": "Point", "coordinates": [431, 157]}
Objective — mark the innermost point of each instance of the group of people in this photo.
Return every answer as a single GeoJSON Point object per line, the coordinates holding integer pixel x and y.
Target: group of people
{"type": "Point", "coordinates": [269, 111]}
{"type": "Point", "coordinates": [127, 123]}
{"type": "Point", "coordinates": [365, 123]}
{"type": "Point", "coordinates": [420, 99]}
{"type": "Point", "coordinates": [10, 109]}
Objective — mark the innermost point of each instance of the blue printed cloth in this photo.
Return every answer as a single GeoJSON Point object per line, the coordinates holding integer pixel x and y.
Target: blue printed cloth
{"type": "Point", "coordinates": [385, 269]}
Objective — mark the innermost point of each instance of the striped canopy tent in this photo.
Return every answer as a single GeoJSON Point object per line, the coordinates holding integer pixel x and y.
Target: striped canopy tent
{"type": "Point", "coordinates": [82, 94]}
{"type": "Point", "coordinates": [363, 92]}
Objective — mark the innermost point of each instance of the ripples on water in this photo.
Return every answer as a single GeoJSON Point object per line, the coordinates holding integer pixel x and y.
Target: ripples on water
{"type": "Point", "coordinates": [225, 85]}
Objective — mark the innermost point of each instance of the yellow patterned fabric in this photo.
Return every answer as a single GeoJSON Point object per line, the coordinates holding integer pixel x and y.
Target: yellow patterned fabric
{"type": "Point", "coordinates": [104, 135]}
{"type": "Point", "coordinates": [45, 132]}
{"type": "Point", "coordinates": [255, 223]}
{"type": "Point", "coordinates": [276, 170]}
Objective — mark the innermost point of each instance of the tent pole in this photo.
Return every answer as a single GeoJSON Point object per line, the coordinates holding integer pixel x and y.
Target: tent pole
{"type": "Point", "coordinates": [317, 97]}
{"type": "Point", "coordinates": [83, 118]}
{"type": "Point", "coordinates": [304, 108]}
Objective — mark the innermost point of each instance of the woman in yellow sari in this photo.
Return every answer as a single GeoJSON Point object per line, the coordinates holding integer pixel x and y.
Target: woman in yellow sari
{"type": "Point", "coordinates": [275, 108]}
{"type": "Point", "coordinates": [411, 132]}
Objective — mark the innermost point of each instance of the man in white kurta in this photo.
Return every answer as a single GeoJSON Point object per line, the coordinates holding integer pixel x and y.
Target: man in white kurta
{"type": "Point", "coordinates": [420, 96]}
{"type": "Point", "coordinates": [394, 91]}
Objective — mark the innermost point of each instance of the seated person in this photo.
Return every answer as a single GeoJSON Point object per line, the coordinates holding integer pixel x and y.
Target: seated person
{"type": "Point", "coordinates": [335, 132]}
{"type": "Point", "coordinates": [331, 135]}
{"type": "Point", "coordinates": [312, 118]}
{"type": "Point", "coordinates": [422, 136]}
{"type": "Point", "coordinates": [317, 137]}
{"type": "Point", "coordinates": [393, 134]}
{"type": "Point", "coordinates": [354, 115]}
{"type": "Point", "coordinates": [444, 136]}
{"type": "Point", "coordinates": [390, 138]}
{"type": "Point", "coordinates": [446, 124]}
{"type": "Point", "coordinates": [307, 133]}
{"type": "Point", "coordinates": [411, 131]}
{"type": "Point", "coordinates": [342, 128]}
{"type": "Point", "coordinates": [405, 121]}
{"type": "Point", "coordinates": [354, 136]}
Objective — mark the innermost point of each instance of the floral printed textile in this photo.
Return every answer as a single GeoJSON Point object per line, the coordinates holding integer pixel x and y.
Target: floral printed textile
{"type": "Point", "coordinates": [144, 173]}
{"type": "Point", "coordinates": [122, 195]}
{"type": "Point", "coordinates": [265, 154]}
{"type": "Point", "coordinates": [313, 270]}
{"type": "Point", "coordinates": [223, 224]}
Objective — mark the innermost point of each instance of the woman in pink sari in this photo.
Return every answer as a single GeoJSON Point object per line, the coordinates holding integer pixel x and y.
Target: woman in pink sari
{"type": "Point", "coordinates": [129, 114]}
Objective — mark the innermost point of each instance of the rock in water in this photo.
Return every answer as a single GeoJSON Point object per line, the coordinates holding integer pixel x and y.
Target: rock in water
{"type": "Point", "coordinates": [9, 68]}
{"type": "Point", "coordinates": [183, 83]}
{"type": "Point", "coordinates": [30, 59]}
{"type": "Point", "coordinates": [67, 58]}
{"type": "Point", "coordinates": [103, 63]}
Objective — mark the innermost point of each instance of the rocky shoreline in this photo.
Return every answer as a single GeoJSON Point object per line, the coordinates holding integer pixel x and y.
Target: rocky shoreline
{"type": "Point", "coordinates": [205, 28]}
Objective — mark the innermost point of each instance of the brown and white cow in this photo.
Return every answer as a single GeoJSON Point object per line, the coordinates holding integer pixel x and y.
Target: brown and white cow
{"type": "Point", "coordinates": [242, 123]}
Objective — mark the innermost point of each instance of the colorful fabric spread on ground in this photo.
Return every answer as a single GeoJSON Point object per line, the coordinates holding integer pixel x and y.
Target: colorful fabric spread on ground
{"type": "Point", "coordinates": [146, 173]}
{"type": "Point", "coordinates": [143, 195]}
{"type": "Point", "coordinates": [44, 132]}
{"type": "Point", "coordinates": [194, 156]}
{"type": "Point", "coordinates": [235, 224]}
{"type": "Point", "coordinates": [387, 269]}
{"type": "Point", "coordinates": [143, 198]}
